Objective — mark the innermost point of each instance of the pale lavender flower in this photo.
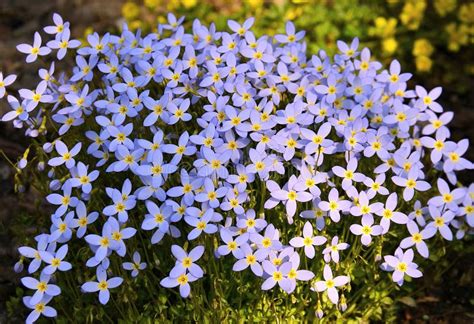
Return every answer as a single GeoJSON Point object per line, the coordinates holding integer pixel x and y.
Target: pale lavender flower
{"type": "Point", "coordinates": [411, 183]}
{"type": "Point", "coordinates": [55, 260]}
{"type": "Point", "coordinates": [35, 50]}
{"type": "Point", "coordinates": [182, 281]}
{"type": "Point", "coordinates": [66, 156]}
{"type": "Point", "coordinates": [136, 265]}
{"type": "Point", "coordinates": [334, 205]}
{"type": "Point", "coordinates": [389, 214]}
{"type": "Point", "coordinates": [250, 259]}
{"type": "Point", "coordinates": [62, 43]}
{"type": "Point", "coordinates": [35, 254]}
{"type": "Point", "coordinates": [83, 219]}
{"type": "Point", "coordinates": [102, 285]}
{"type": "Point", "coordinates": [308, 240]}
{"type": "Point", "coordinates": [367, 229]}
{"type": "Point", "coordinates": [42, 287]}
{"type": "Point", "coordinates": [40, 308]}
{"type": "Point", "coordinates": [4, 82]}
{"type": "Point", "coordinates": [201, 224]}
{"type": "Point", "coordinates": [417, 238]}
{"type": "Point", "coordinates": [330, 283]}
{"type": "Point", "coordinates": [232, 245]}
{"type": "Point", "coordinates": [448, 198]}
{"type": "Point", "coordinates": [83, 178]}
{"type": "Point", "coordinates": [364, 207]}
{"type": "Point", "coordinates": [277, 275]}
{"type": "Point", "coordinates": [185, 261]}
{"type": "Point", "coordinates": [401, 265]}
{"type": "Point", "coordinates": [441, 221]}
{"type": "Point", "coordinates": [36, 96]}
{"type": "Point", "coordinates": [376, 186]}
{"type": "Point", "coordinates": [63, 201]}
{"type": "Point", "coordinates": [332, 251]}
{"type": "Point", "coordinates": [59, 25]}
{"type": "Point", "coordinates": [428, 100]}
{"type": "Point", "coordinates": [289, 195]}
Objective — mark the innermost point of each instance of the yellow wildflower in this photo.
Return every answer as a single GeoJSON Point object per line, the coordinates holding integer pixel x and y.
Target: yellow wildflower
{"type": "Point", "coordinates": [458, 36]}
{"type": "Point", "coordinates": [423, 63]}
{"type": "Point", "coordinates": [189, 3]}
{"type": "Point", "coordinates": [422, 47]}
{"type": "Point", "coordinates": [130, 10]}
{"type": "Point", "coordinates": [466, 13]}
{"type": "Point", "coordinates": [389, 45]}
{"type": "Point", "coordinates": [383, 27]}
{"type": "Point", "coordinates": [152, 4]}
{"type": "Point", "coordinates": [412, 13]}
{"type": "Point", "coordinates": [293, 13]}
{"type": "Point", "coordinates": [255, 4]}
{"type": "Point", "coordinates": [443, 7]}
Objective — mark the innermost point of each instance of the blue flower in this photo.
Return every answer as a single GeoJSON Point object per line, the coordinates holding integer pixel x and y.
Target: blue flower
{"type": "Point", "coordinates": [35, 50]}
{"type": "Point", "coordinates": [55, 260]}
{"type": "Point", "coordinates": [102, 285]}
{"type": "Point", "coordinates": [40, 308]}
{"type": "Point", "coordinates": [4, 82]}
{"type": "Point", "coordinates": [136, 266]}
{"type": "Point", "coordinates": [43, 288]}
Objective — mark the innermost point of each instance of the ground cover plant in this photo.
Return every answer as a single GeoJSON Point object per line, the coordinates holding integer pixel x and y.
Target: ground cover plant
{"type": "Point", "coordinates": [192, 174]}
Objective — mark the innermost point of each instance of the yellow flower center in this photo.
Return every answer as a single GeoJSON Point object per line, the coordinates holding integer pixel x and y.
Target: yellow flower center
{"type": "Point", "coordinates": [438, 145]}
{"type": "Point", "coordinates": [201, 225]}
{"type": "Point", "coordinates": [104, 242]}
{"type": "Point", "coordinates": [387, 213]}
{"type": "Point", "coordinates": [232, 245]}
{"type": "Point", "coordinates": [365, 209]}
{"type": "Point", "coordinates": [417, 238]}
{"type": "Point", "coordinates": [40, 307]}
{"type": "Point", "coordinates": [453, 156]}
{"type": "Point", "coordinates": [62, 227]}
{"type": "Point", "coordinates": [120, 207]}
{"type": "Point", "coordinates": [447, 198]}
{"type": "Point", "coordinates": [401, 116]}
{"type": "Point", "coordinates": [250, 222]}
{"type": "Point", "coordinates": [439, 221]}
{"type": "Point", "coordinates": [330, 283]}
{"type": "Point", "coordinates": [402, 266]}
{"type": "Point", "coordinates": [266, 242]}
{"type": "Point", "coordinates": [187, 261]}
{"type": "Point", "coordinates": [65, 200]}
{"type": "Point", "coordinates": [183, 279]}
{"type": "Point", "coordinates": [348, 174]}
{"type": "Point", "coordinates": [277, 276]}
{"type": "Point", "coordinates": [251, 259]}
{"type": "Point", "coordinates": [117, 236]}
{"type": "Point", "coordinates": [259, 166]}
{"type": "Point", "coordinates": [55, 262]}
{"type": "Point", "coordinates": [42, 286]}
{"type": "Point", "coordinates": [292, 195]}
{"type": "Point", "coordinates": [411, 183]}
{"type": "Point", "coordinates": [103, 285]}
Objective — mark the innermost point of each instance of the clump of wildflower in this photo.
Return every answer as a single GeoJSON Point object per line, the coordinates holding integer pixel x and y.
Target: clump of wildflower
{"type": "Point", "coordinates": [220, 135]}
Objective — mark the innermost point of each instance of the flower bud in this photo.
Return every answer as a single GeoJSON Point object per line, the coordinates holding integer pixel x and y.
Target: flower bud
{"type": "Point", "coordinates": [343, 304]}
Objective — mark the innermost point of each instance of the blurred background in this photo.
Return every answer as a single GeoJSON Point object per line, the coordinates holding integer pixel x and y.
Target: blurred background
{"type": "Point", "coordinates": [432, 39]}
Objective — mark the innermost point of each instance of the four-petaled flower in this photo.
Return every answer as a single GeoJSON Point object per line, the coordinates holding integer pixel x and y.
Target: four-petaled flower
{"type": "Point", "coordinates": [330, 283]}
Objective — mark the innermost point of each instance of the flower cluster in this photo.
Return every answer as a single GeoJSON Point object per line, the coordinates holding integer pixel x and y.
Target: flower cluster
{"type": "Point", "coordinates": [229, 136]}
